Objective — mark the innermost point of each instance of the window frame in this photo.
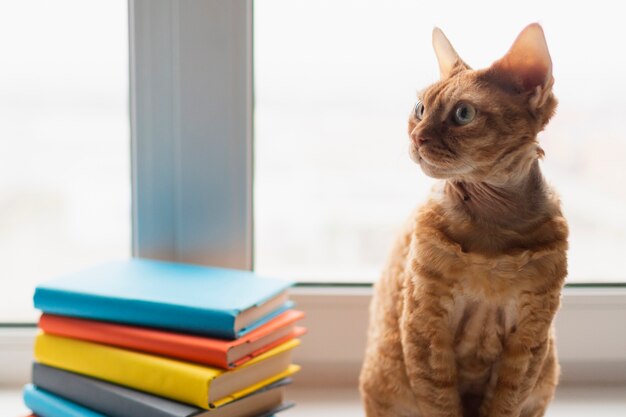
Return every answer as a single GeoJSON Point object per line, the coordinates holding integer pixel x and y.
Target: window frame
{"type": "Point", "coordinates": [191, 114]}
{"type": "Point", "coordinates": [191, 130]}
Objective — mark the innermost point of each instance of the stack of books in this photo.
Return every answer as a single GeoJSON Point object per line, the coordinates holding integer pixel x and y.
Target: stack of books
{"type": "Point", "coordinates": [143, 338]}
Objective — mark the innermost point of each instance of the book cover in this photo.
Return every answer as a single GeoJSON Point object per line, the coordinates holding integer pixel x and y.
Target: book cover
{"type": "Point", "coordinates": [203, 386]}
{"type": "Point", "coordinates": [193, 348]}
{"type": "Point", "coordinates": [117, 401]}
{"type": "Point", "coordinates": [218, 302]}
{"type": "Point", "coordinates": [46, 404]}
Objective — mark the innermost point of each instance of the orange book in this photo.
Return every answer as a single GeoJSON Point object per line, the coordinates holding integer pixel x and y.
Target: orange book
{"type": "Point", "coordinates": [224, 354]}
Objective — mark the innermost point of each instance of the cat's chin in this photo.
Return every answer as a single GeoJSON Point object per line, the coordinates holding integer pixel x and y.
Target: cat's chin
{"type": "Point", "coordinates": [435, 172]}
{"type": "Point", "coordinates": [430, 169]}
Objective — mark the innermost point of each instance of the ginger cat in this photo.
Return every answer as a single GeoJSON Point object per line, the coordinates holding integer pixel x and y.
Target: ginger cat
{"type": "Point", "coordinates": [461, 320]}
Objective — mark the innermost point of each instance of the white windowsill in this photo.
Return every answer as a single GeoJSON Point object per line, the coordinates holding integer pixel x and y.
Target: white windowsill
{"type": "Point", "coordinates": [571, 401]}
{"type": "Point", "coordinates": [590, 337]}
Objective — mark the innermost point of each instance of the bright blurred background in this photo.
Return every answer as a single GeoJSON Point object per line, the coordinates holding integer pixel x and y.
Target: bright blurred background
{"type": "Point", "coordinates": [64, 142]}
{"type": "Point", "coordinates": [334, 83]}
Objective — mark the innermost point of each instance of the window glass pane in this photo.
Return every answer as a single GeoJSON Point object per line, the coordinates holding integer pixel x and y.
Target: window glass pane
{"type": "Point", "coordinates": [334, 84]}
{"type": "Point", "coordinates": [64, 142]}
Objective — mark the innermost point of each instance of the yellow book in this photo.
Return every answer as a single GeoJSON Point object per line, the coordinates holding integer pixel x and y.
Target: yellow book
{"type": "Point", "coordinates": [186, 382]}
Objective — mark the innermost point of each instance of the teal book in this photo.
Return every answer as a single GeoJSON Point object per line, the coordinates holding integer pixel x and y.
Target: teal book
{"type": "Point", "coordinates": [217, 302]}
{"type": "Point", "coordinates": [46, 404]}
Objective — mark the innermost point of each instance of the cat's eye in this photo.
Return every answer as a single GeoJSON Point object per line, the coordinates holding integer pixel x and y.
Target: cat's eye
{"type": "Point", "coordinates": [419, 110]}
{"type": "Point", "coordinates": [464, 113]}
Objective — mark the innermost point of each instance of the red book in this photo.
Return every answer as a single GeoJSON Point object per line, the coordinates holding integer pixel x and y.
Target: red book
{"type": "Point", "coordinates": [220, 353]}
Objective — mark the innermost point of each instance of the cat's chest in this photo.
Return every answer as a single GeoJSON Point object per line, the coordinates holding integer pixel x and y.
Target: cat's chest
{"type": "Point", "coordinates": [474, 319]}
{"type": "Point", "coordinates": [479, 326]}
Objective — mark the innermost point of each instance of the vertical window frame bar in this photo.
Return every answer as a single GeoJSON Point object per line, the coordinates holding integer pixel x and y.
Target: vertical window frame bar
{"type": "Point", "coordinates": [191, 130]}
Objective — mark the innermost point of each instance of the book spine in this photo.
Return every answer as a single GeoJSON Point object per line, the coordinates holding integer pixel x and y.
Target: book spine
{"type": "Point", "coordinates": [109, 399]}
{"type": "Point", "coordinates": [45, 404]}
{"type": "Point", "coordinates": [168, 378]}
{"type": "Point", "coordinates": [220, 324]}
{"type": "Point", "coordinates": [137, 338]}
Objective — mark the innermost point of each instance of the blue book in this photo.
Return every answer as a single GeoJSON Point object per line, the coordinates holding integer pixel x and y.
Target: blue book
{"type": "Point", "coordinates": [46, 404]}
{"type": "Point", "coordinates": [216, 302]}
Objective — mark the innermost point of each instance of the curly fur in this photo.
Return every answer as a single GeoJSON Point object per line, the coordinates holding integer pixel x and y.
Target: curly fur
{"type": "Point", "coordinates": [461, 319]}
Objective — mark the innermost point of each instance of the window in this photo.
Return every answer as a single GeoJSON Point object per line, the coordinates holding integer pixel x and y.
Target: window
{"type": "Point", "coordinates": [191, 119]}
{"type": "Point", "coordinates": [64, 143]}
{"type": "Point", "coordinates": [334, 84]}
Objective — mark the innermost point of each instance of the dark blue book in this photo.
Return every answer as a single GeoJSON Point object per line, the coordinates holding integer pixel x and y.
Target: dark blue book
{"type": "Point", "coordinates": [217, 302]}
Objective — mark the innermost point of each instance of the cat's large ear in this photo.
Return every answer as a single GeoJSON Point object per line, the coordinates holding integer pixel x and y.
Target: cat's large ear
{"type": "Point", "coordinates": [527, 66]}
{"type": "Point", "coordinates": [449, 60]}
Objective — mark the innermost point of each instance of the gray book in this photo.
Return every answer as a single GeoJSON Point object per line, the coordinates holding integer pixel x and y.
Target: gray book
{"type": "Point", "coordinates": [117, 401]}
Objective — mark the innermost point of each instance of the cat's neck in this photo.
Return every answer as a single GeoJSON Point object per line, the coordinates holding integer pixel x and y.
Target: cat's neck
{"type": "Point", "coordinates": [488, 213]}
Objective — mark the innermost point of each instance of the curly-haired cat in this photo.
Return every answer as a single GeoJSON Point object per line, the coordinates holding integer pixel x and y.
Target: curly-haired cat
{"type": "Point", "coordinates": [461, 320]}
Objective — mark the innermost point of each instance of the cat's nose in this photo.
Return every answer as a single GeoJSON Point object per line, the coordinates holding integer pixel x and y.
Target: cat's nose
{"type": "Point", "coordinates": [421, 139]}
{"type": "Point", "coordinates": [418, 137]}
